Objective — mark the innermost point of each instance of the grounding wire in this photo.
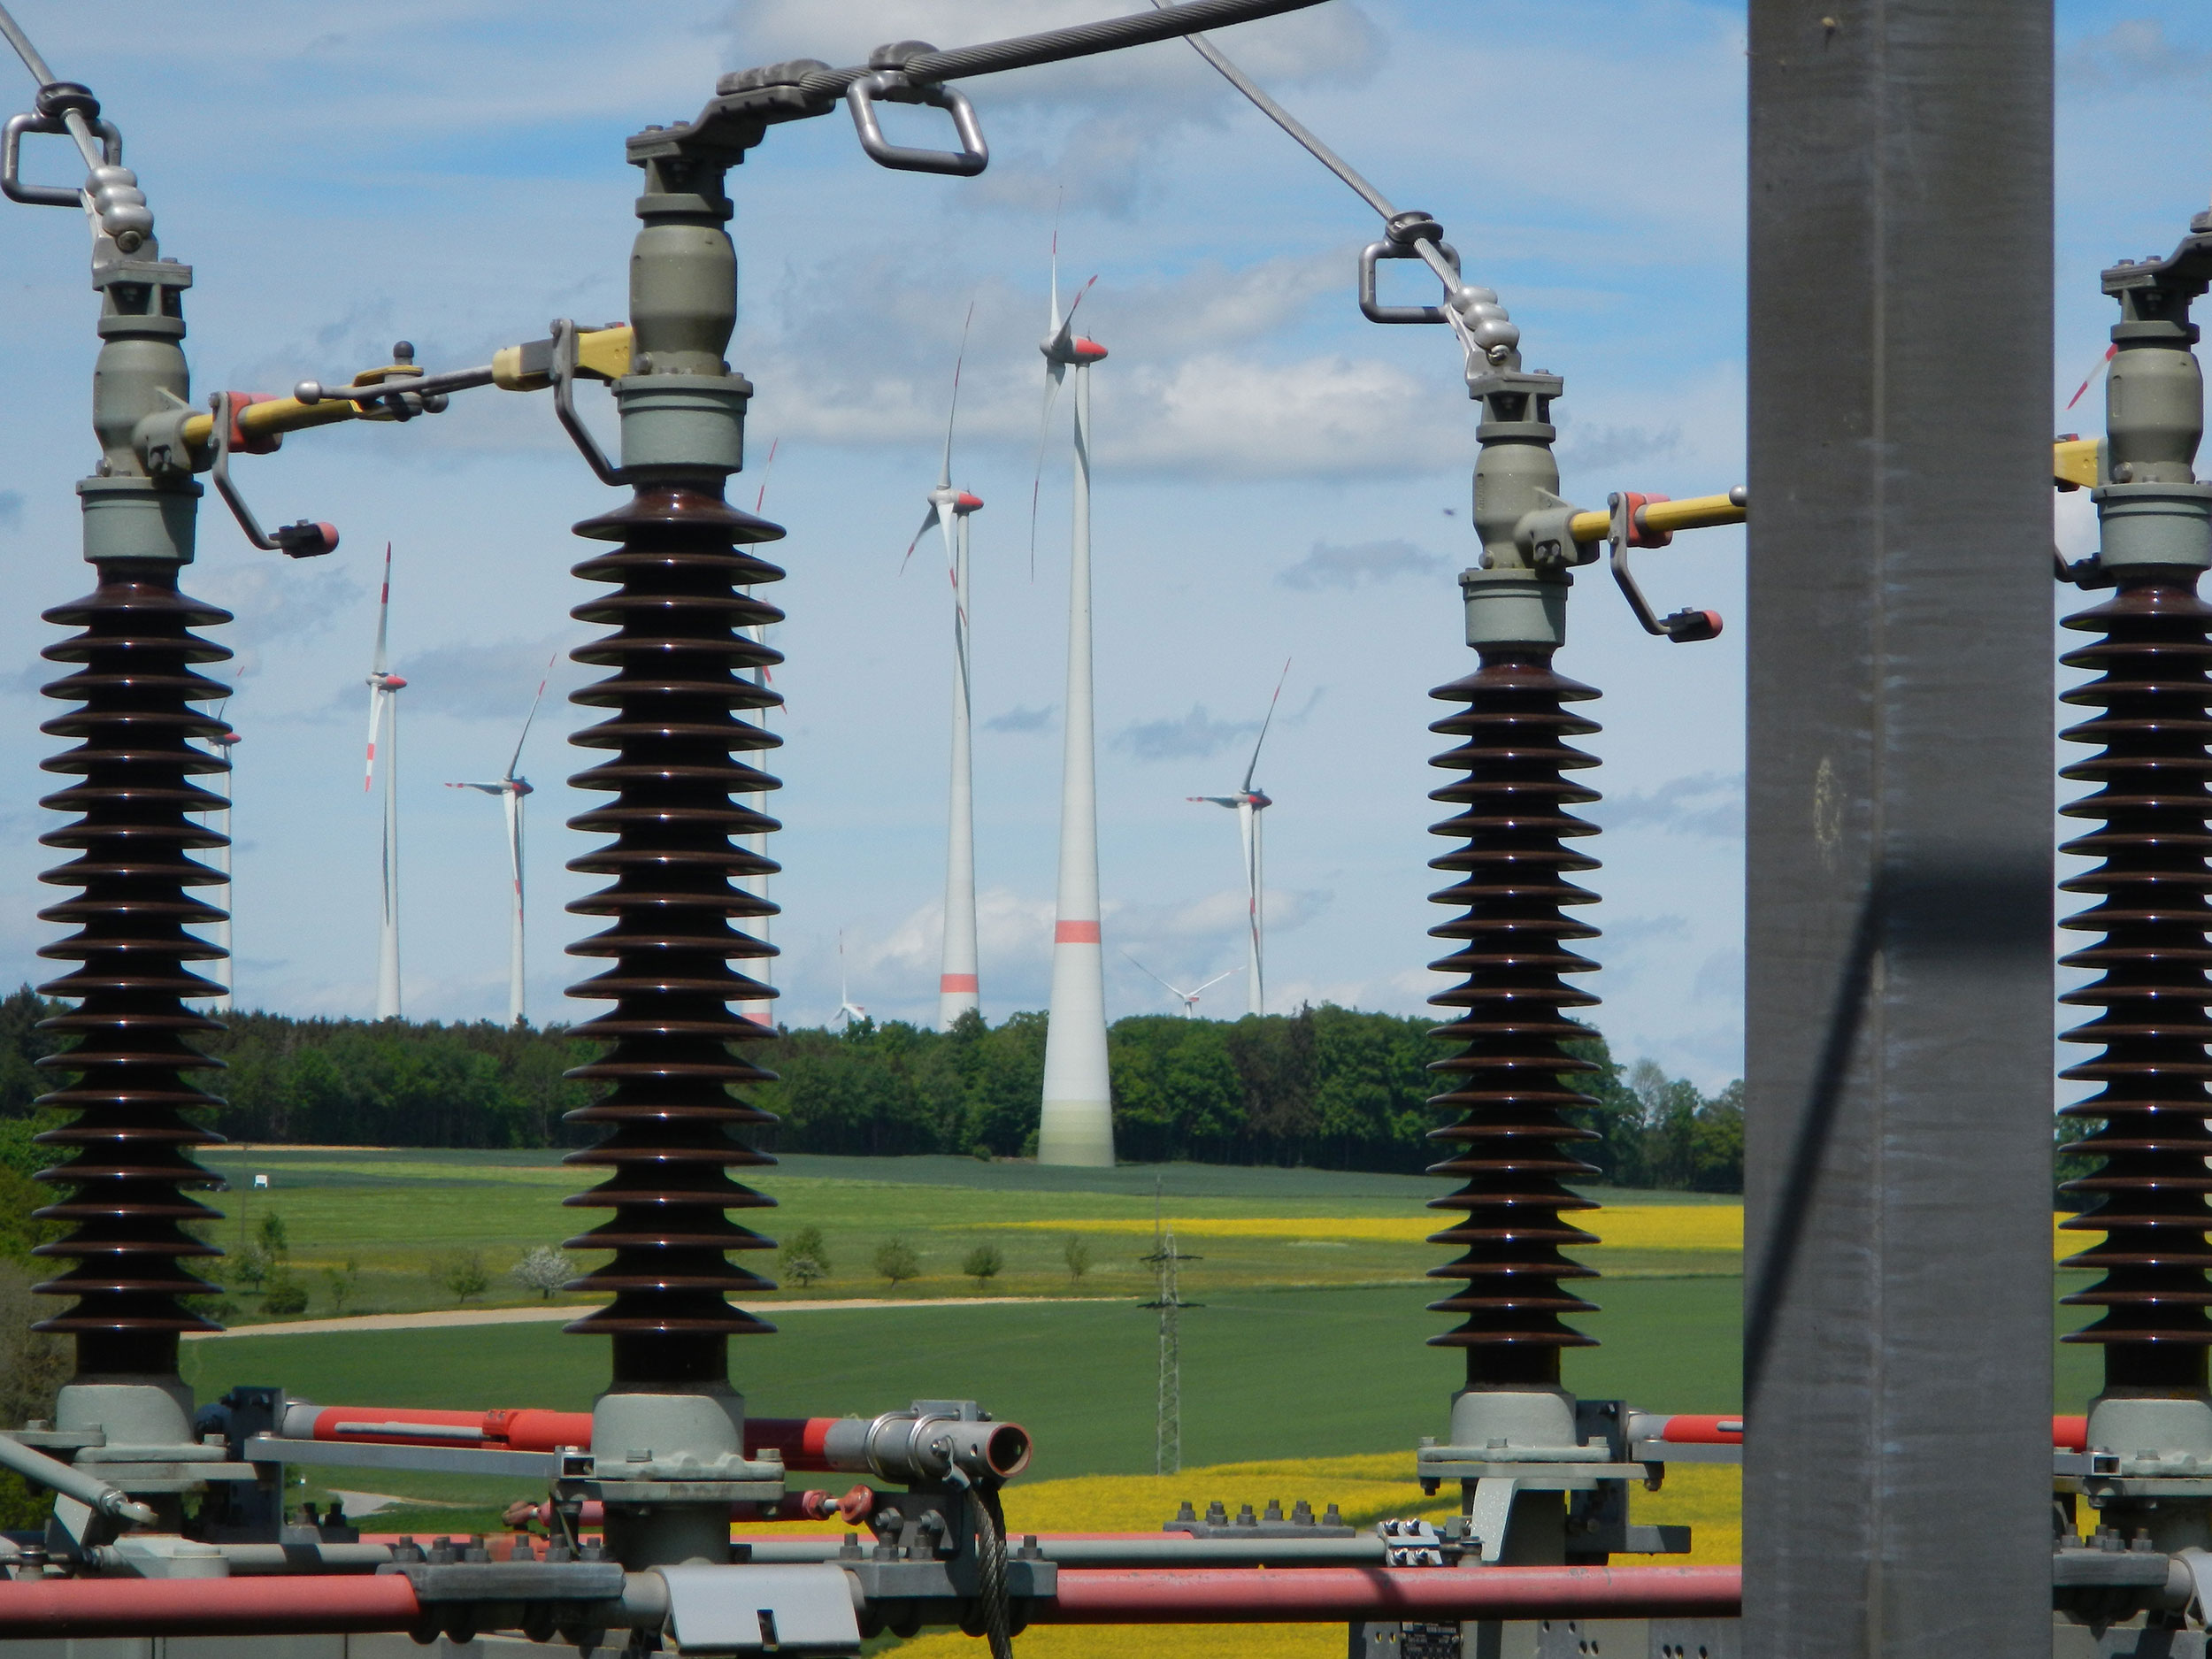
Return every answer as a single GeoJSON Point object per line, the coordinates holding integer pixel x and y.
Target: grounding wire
{"type": "Point", "coordinates": [1290, 123]}
{"type": "Point", "coordinates": [1336, 164]}
{"type": "Point", "coordinates": [24, 49]}
{"type": "Point", "coordinates": [1052, 46]}
{"type": "Point", "coordinates": [73, 120]}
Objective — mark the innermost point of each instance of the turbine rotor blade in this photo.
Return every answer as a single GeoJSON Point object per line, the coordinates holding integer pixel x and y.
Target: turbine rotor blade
{"type": "Point", "coordinates": [930, 518]}
{"type": "Point", "coordinates": [766, 467]}
{"type": "Point", "coordinates": [515, 759]}
{"type": "Point", "coordinates": [944, 473]}
{"type": "Point", "coordinates": [1264, 723]}
{"type": "Point", "coordinates": [377, 693]}
{"type": "Point", "coordinates": [1054, 373]}
{"type": "Point", "coordinates": [383, 613]}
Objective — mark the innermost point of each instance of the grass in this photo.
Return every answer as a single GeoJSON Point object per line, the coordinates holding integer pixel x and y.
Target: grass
{"type": "Point", "coordinates": [1340, 1370]}
{"type": "Point", "coordinates": [404, 1216]}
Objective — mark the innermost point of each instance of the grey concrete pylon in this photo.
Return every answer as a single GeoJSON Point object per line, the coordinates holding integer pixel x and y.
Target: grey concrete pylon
{"type": "Point", "coordinates": [1898, 1312]}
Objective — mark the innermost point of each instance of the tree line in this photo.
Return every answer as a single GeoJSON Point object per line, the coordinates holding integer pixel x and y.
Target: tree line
{"type": "Point", "coordinates": [1325, 1088]}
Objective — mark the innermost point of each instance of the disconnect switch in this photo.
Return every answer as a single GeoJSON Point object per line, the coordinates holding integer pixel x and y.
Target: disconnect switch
{"type": "Point", "coordinates": [761, 1609]}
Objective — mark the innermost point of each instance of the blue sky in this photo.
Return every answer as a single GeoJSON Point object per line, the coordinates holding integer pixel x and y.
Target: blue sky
{"type": "Point", "coordinates": [1273, 482]}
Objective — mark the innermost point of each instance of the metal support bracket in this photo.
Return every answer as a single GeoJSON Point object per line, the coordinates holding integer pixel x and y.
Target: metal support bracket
{"type": "Point", "coordinates": [563, 371]}
{"type": "Point", "coordinates": [302, 539]}
{"type": "Point", "coordinates": [1377, 312]}
{"type": "Point", "coordinates": [891, 87]}
{"type": "Point", "coordinates": [1685, 626]}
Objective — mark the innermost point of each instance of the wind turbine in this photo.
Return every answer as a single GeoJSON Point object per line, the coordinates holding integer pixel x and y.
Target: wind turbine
{"type": "Point", "coordinates": [1248, 804]}
{"type": "Point", "coordinates": [847, 1010]}
{"type": "Point", "coordinates": [510, 787]}
{"type": "Point", "coordinates": [958, 988]}
{"type": "Point", "coordinates": [1076, 1123]}
{"type": "Point", "coordinates": [1189, 999]}
{"type": "Point", "coordinates": [384, 688]}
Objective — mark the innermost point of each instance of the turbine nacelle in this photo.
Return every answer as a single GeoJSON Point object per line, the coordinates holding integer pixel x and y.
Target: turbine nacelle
{"type": "Point", "coordinates": [385, 682]}
{"type": "Point", "coordinates": [1066, 349]}
{"type": "Point", "coordinates": [964, 503]}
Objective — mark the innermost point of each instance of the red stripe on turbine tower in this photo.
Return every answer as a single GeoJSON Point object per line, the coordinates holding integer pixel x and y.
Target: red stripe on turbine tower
{"type": "Point", "coordinates": [958, 983]}
{"type": "Point", "coordinates": [1075, 934]}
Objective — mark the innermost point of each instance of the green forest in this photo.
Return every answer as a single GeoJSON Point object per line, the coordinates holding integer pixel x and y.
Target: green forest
{"type": "Point", "coordinates": [1325, 1088]}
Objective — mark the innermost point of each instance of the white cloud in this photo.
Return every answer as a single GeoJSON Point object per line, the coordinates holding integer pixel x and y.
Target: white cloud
{"type": "Point", "coordinates": [1709, 803]}
{"type": "Point", "coordinates": [1369, 563]}
{"type": "Point", "coordinates": [2133, 52]}
{"type": "Point", "coordinates": [1192, 736]}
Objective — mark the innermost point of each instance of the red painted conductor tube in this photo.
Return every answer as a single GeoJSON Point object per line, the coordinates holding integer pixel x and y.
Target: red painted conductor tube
{"type": "Point", "coordinates": [325, 1604]}
{"type": "Point", "coordinates": [899, 1445]}
{"type": "Point", "coordinates": [1340, 1595]}
{"type": "Point", "coordinates": [2068, 1434]}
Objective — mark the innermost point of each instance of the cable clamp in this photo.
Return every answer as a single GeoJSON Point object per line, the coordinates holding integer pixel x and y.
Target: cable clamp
{"type": "Point", "coordinates": [304, 538]}
{"type": "Point", "coordinates": [892, 87]}
{"type": "Point", "coordinates": [1627, 530]}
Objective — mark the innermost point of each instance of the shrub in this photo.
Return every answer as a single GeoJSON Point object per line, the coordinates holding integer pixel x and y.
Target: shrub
{"type": "Point", "coordinates": [285, 1294]}
{"type": "Point", "coordinates": [984, 1264]}
{"type": "Point", "coordinates": [544, 1269]}
{"type": "Point", "coordinates": [465, 1275]}
{"type": "Point", "coordinates": [981, 1152]}
{"type": "Point", "coordinates": [1076, 1252]}
{"type": "Point", "coordinates": [896, 1261]}
{"type": "Point", "coordinates": [270, 1235]}
{"type": "Point", "coordinates": [804, 1257]}
{"type": "Point", "coordinates": [251, 1266]}
{"type": "Point", "coordinates": [341, 1282]}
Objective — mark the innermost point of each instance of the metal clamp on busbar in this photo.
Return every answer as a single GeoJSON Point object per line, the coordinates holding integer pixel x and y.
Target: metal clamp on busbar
{"type": "Point", "coordinates": [1684, 627]}
{"type": "Point", "coordinates": [891, 87]}
{"type": "Point", "coordinates": [561, 371]}
{"type": "Point", "coordinates": [1394, 248]}
{"type": "Point", "coordinates": [304, 538]}
{"type": "Point", "coordinates": [51, 121]}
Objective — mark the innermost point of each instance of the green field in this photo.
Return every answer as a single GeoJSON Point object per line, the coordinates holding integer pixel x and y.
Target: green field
{"type": "Point", "coordinates": [401, 1216]}
{"type": "Point", "coordinates": [1301, 1347]}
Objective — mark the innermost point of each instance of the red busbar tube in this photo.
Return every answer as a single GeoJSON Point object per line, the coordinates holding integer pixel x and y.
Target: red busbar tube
{"type": "Point", "coordinates": [2068, 1434]}
{"type": "Point", "coordinates": [324, 1603]}
{"type": "Point", "coordinates": [846, 1444]}
{"type": "Point", "coordinates": [1335, 1595]}
{"type": "Point", "coordinates": [320, 1605]}
{"type": "Point", "coordinates": [802, 1441]}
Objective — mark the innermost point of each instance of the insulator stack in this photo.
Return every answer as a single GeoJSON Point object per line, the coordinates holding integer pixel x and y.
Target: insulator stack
{"type": "Point", "coordinates": [681, 704]}
{"type": "Point", "coordinates": [1512, 1079]}
{"type": "Point", "coordinates": [2151, 767]}
{"type": "Point", "coordinates": [130, 1165]}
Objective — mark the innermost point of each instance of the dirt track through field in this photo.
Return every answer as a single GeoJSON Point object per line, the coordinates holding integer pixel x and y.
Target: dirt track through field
{"type": "Point", "coordinates": [561, 1312]}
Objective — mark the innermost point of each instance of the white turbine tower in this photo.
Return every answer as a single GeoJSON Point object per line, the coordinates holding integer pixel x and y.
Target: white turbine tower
{"type": "Point", "coordinates": [384, 688]}
{"type": "Point", "coordinates": [847, 1010]}
{"type": "Point", "coordinates": [1077, 1122]}
{"type": "Point", "coordinates": [1189, 999]}
{"type": "Point", "coordinates": [510, 787]}
{"type": "Point", "coordinates": [959, 991]}
{"type": "Point", "coordinates": [1249, 802]}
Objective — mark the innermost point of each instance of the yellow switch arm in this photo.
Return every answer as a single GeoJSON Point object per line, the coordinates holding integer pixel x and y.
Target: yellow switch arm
{"type": "Point", "coordinates": [1664, 518]}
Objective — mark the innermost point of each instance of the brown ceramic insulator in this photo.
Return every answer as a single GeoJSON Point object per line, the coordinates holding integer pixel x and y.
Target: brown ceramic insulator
{"type": "Point", "coordinates": [2151, 767]}
{"type": "Point", "coordinates": [130, 1167]}
{"type": "Point", "coordinates": [682, 702]}
{"type": "Point", "coordinates": [1511, 1079]}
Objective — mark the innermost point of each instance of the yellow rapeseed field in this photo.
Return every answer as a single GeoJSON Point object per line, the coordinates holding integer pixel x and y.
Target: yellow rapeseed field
{"type": "Point", "coordinates": [1365, 1490]}
{"type": "Point", "coordinates": [1624, 1226]}
{"type": "Point", "coordinates": [1635, 1226]}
